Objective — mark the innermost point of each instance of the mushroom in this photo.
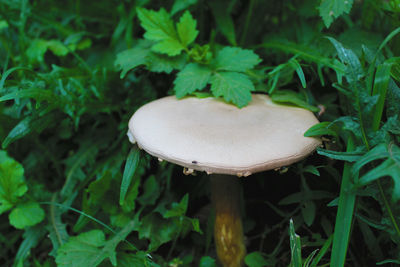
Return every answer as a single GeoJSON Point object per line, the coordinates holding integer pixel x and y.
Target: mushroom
{"type": "Point", "coordinates": [207, 134]}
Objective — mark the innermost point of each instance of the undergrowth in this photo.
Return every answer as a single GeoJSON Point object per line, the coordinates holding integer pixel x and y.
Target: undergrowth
{"type": "Point", "coordinates": [73, 191]}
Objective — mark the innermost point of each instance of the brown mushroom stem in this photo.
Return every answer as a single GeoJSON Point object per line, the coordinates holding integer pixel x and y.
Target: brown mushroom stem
{"type": "Point", "coordinates": [228, 229]}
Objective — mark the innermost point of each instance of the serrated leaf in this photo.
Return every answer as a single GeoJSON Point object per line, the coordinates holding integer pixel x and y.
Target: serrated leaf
{"type": "Point", "coordinates": [233, 87]}
{"type": "Point", "coordinates": [160, 27]}
{"type": "Point", "coordinates": [12, 184]}
{"type": "Point", "coordinates": [32, 236]}
{"type": "Point", "coordinates": [79, 250]}
{"type": "Point", "coordinates": [186, 28]}
{"type": "Point", "coordinates": [332, 9]}
{"type": "Point", "coordinates": [171, 47]}
{"type": "Point", "coordinates": [163, 63]}
{"type": "Point", "coordinates": [130, 168]}
{"type": "Point", "coordinates": [26, 214]}
{"type": "Point", "coordinates": [91, 248]}
{"type": "Point", "coordinates": [393, 100]}
{"type": "Point", "coordinates": [389, 167]}
{"type": "Point", "coordinates": [346, 156]}
{"type": "Point", "coordinates": [236, 59]}
{"type": "Point", "coordinates": [353, 68]}
{"type": "Point", "coordinates": [193, 77]}
{"type": "Point", "coordinates": [158, 24]}
{"type": "Point", "coordinates": [57, 229]}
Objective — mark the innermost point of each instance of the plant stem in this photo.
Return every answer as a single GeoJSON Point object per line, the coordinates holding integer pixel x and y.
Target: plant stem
{"type": "Point", "coordinates": [228, 230]}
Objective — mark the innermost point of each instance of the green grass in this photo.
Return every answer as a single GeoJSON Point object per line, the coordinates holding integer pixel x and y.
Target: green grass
{"type": "Point", "coordinates": [72, 188]}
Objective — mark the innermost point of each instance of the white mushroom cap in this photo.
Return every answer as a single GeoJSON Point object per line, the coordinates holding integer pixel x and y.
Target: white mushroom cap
{"type": "Point", "coordinates": [206, 134]}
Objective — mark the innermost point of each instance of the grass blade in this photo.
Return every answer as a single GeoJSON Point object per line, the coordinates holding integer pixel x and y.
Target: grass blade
{"type": "Point", "coordinates": [130, 167]}
{"type": "Point", "coordinates": [296, 66]}
{"type": "Point", "coordinates": [322, 251]}
{"type": "Point", "coordinates": [382, 78]}
{"type": "Point", "coordinates": [344, 215]}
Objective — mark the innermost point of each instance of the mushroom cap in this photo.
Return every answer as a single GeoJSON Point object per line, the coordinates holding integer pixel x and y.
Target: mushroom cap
{"type": "Point", "coordinates": [206, 134]}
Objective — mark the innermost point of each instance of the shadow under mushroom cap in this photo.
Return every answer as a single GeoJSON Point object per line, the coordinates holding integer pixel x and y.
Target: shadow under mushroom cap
{"type": "Point", "coordinates": [206, 134]}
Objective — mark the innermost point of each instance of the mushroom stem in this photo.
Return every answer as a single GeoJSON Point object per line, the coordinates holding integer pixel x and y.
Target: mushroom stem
{"type": "Point", "coordinates": [228, 230]}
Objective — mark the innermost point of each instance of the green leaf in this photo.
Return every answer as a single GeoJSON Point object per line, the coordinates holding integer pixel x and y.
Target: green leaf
{"type": "Point", "coordinates": [308, 210]}
{"type": "Point", "coordinates": [332, 9]}
{"type": "Point", "coordinates": [233, 87]}
{"type": "Point", "coordinates": [130, 167]}
{"type": "Point", "coordinates": [181, 5]}
{"type": "Point", "coordinates": [346, 156]}
{"type": "Point", "coordinates": [171, 47]}
{"type": "Point", "coordinates": [157, 230]}
{"type": "Point", "coordinates": [158, 24]}
{"type": "Point", "coordinates": [26, 214]}
{"type": "Point", "coordinates": [319, 129]}
{"type": "Point", "coordinates": [207, 261]}
{"type": "Point", "coordinates": [345, 212]}
{"type": "Point", "coordinates": [91, 248]}
{"type": "Point", "coordinates": [224, 20]}
{"type": "Point", "coordinates": [296, 66]}
{"type": "Point", "coordinates": [131, 58]}
{"type": "Point", "coordinates": [162, 63]}
{"type": "Point", "coordinates": [141, 258]}
{"type": "Point", "coordinates": [58, 48]}
{"type": "Point", "coordinates": [36, 50]}
{"type": "Point", "coordinates": [288, 96]}
{"type": "Point", "coordinates": [31, 238]}
{"type": "Point", "coordinates": [57, 230]}
{"type": "Point", "coordinates": [322, 252]}
{"type": "Point", "coordinates": [98, 188]}
{"type": "Point", "coordinates": [12, 184]}
{"type": "Point", "coordinates": [390, 167]}
{"type": "Point", "coordinates": [353, 68]}
{"type": "Point", "coordinates": [393, 100]}
{"type": "Point", "coordinates": [295, 246]}
{"type": "Point", "coordinates": [236, 59]}
{"type": "Point", "coordinates": [160, 27]}
{"type": "Point", "coordinates": [37, 94]}
{"type": "Point", "coordinates": [29, 124]}
{"type": "Point", "coordinates": [151, 191]}
{"type": "Point", "coordinates": [256, 259]}
{"type": "Point", "coordinates": [186, 28]}
{"type": "Point", "coordinates": [382, 78]}
{"type": "Point", "coordinates": [81, 249]}
{"type": "Point", "coordinates": [311, 169]}
{"type": "Point", "coordinates": [193, 77]}
{"type": "Point", "coordinates": [178, 209]}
